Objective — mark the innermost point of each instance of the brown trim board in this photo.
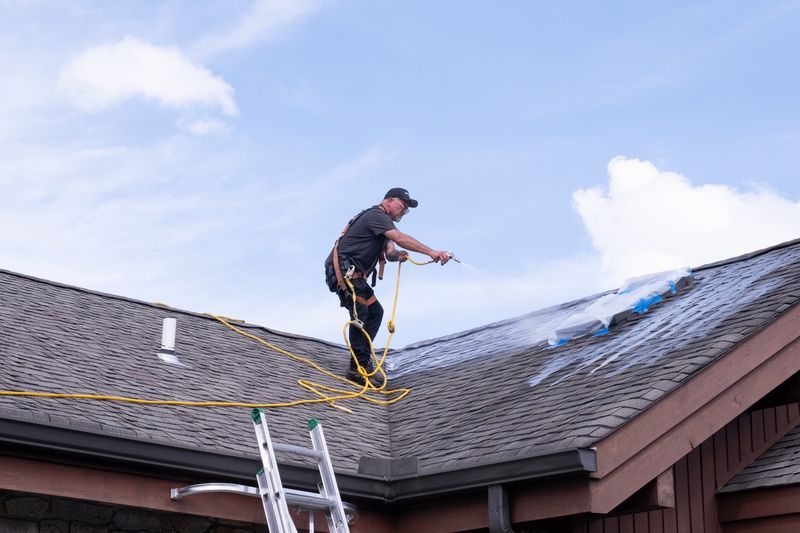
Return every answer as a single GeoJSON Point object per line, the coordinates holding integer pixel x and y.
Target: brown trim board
{"type": "Point", "coordinates": [657, 438]}
{"type": "Point", "coordinates": [39, 477]}
{"type": "Point", "coordinates": [759, 503]}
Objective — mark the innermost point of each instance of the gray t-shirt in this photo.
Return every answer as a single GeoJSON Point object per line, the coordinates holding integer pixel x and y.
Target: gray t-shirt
{"type": "Point", "coordinates": [365, 239]}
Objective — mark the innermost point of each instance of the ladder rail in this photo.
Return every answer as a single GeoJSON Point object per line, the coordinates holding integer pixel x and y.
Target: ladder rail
{"type": "Point", "coordinates": [337, 521]}
{"type": "Point", "coordinates": [270, 487]}
{"type": "Point", "coordinates": [274, 497]}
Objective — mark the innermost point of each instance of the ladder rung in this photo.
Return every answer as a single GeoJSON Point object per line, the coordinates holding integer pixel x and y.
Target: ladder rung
{"type": "Point", "coordinates": [309, 501]}
{"type": "Point", "coordinates": [177, 494]}
{"type": "Point", "coordinates": [297, 450]}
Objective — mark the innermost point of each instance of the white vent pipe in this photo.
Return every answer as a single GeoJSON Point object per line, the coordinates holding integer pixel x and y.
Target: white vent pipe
{"type": "Point", "coordinates": [168, 335]}
{"type": "Point", "coordinates": [167, 352]}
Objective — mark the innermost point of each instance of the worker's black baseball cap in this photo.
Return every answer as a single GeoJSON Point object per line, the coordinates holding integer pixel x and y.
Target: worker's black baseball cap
{"type": "Point", "coordinates": [399, 192]}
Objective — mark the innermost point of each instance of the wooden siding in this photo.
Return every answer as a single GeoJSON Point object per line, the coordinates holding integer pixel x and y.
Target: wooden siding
{"type": "Point", "coordinates": [773, 524]}
{"type": "Point", "coordinates": [698, 475]}
{"type": "Point", "coordinates": [768, 510]}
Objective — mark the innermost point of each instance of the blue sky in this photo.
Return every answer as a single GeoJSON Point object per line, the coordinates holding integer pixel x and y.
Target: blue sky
{"type": "Point", "coordinates": [207, 154]}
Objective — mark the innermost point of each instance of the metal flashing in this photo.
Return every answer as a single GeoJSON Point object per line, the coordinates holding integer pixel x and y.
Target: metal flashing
{"type": "Point", "coordinates": [576, 461]}
{"type": "Point", "coordinates": [92, 449]}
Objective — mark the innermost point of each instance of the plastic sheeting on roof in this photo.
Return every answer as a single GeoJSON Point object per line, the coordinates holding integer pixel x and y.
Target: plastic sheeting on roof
{"type": "Point", "coordinates": [635, 294]}
{"type": "Point", "coordinates": [515, 334]}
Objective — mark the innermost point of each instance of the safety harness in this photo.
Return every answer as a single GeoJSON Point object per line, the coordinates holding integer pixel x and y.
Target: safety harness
{"type": "Point", "coordinates": [351, 272]}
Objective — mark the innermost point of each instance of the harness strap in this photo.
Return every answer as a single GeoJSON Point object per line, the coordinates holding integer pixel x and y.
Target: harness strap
{"type": "Point", "coordinates": [336, 268]}
{"type": "Point", "coordinates": [340, 284]}
{"type": "Point", "coordinates": [379, 270]}
{"type": "Point", "coordinates": [362, 300]}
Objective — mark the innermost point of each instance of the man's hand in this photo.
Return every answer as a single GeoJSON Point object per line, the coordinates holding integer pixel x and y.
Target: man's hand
{"type": "Point", "coordinates": [440, 257]}
{"type": "Point", "coordinates": [401, 256]}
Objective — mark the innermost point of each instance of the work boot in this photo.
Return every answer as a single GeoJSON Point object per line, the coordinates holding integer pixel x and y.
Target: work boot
{"type": "Point", "coordinates": [354, 376]}
{"type": "Point", "coordinates": [376, 379]}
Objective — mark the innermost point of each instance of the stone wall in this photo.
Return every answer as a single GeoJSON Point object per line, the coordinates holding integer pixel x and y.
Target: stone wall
{"type": "Point", "coordinates": [29, 513]}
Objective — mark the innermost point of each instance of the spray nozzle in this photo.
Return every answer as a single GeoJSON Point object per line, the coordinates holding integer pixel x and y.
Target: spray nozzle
{"type": "Point", "coordinates": [453, 257]}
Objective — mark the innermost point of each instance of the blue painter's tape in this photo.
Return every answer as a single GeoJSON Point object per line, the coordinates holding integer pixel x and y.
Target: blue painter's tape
{"type": "Point", "coordinates": [644, 304]}
{"type": "Point", "coordinates": [561, 342]}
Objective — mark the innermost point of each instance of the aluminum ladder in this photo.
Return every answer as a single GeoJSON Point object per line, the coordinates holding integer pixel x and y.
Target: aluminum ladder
{"type": "Point", "coordinates": [275, 498]}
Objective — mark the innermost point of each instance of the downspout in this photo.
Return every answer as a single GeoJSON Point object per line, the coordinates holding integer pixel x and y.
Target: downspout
{"type": "Point", "coordinates": [499, 514]}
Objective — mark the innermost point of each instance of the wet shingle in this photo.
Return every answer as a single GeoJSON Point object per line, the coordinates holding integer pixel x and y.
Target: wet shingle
{"type": "Point", "coordinates": [490, 394]}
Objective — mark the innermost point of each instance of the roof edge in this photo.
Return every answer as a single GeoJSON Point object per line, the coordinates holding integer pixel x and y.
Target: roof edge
{"type": "Point", "coordinates": [562, 463]}
{"type": "Point", "coordinates": [89, 449]}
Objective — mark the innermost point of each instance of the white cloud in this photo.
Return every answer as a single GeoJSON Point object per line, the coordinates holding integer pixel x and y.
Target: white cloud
{"type": "Point", "coordinates": [107, 75]}
{"type": "Point", "coordinates": [646, 221]}
{"type": "Point", "coordinates": [174, 222]}
{"type": "Point", "coordinates": [131, 221]}
{"type": "Point", "coordinates": [650, 220]}
{"type": "Point", "coordinates": [265, 19]}
{"type": "Point", "coordinates": [202, 127]}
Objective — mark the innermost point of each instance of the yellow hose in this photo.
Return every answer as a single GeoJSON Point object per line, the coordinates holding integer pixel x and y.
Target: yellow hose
{"type": "Point", "coordinates": [325, 393]}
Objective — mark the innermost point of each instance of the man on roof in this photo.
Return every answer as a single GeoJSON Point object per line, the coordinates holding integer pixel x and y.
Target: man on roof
{"type": "Point", "coordinates": [368, 240]}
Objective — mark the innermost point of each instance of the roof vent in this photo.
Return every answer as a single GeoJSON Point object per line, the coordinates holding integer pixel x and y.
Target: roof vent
{"type": "Point", "coordinates": [167, 352]}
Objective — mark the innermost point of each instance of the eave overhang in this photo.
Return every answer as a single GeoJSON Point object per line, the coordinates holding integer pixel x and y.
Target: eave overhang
{"type": "Point", "coordinates": [575, 481]}
{"type": "Point", "coordinates": [34, 440]}
{"type": "Point", "coordinates": [657, 438]}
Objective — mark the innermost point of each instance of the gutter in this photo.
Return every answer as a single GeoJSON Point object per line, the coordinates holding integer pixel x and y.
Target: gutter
{"type": "Point", "coordinates": [94, 449]}
{"type": "Point", "coordinates": [575, 461]}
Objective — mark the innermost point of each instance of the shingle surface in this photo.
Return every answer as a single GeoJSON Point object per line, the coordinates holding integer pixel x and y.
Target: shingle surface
{"type": "Point", "coordinates": [499, 393]}
{"type": "Point", "coordinates": [61, 339]}
{"type": "Point", "coordinates": [492, 394]}
{"type": "Point", "coordinates": [778, 466]}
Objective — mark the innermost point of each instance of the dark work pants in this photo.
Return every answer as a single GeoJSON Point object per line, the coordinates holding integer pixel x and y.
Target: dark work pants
{"type": "Point", "coordinates": [371, 315]}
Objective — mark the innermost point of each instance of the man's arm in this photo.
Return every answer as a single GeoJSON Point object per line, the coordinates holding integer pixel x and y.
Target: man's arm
{"type": "Point", "coordinates": [410, 243]}
{"type": "Point", "coordinates": [392, 253]}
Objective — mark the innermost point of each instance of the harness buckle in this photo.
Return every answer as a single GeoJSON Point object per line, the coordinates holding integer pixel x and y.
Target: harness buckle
{"type": "Point", "coordinates": [350, 271]}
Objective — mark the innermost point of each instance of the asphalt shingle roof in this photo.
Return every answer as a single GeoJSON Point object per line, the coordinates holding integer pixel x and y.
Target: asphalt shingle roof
{"type": "Point", "coordinates": [491, 394]}
{"type": "Point", "coordinates": [777, 467]}
{"type": "Point", "coordinates": [499, 393]}
{"type": "Point", "coordinates": [62, 339]}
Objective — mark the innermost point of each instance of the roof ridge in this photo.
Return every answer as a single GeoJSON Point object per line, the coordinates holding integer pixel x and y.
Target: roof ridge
{"type": "Point", "coordinates": [499, 323]}
{"type": "Point", "coordinates": [161, 306]}
{"type": "Point", "coordinates": [502, 322]}
{"type": "Point", "coordinates": [748, 255]}
{"type": "Point", "coordinates": [415, 345]}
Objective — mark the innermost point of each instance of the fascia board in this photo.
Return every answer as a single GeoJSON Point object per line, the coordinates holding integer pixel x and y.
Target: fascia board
{"type": "Point", "coordinates": [657, 438]}
{"type": "Point", "coordinates": [92, 449]}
